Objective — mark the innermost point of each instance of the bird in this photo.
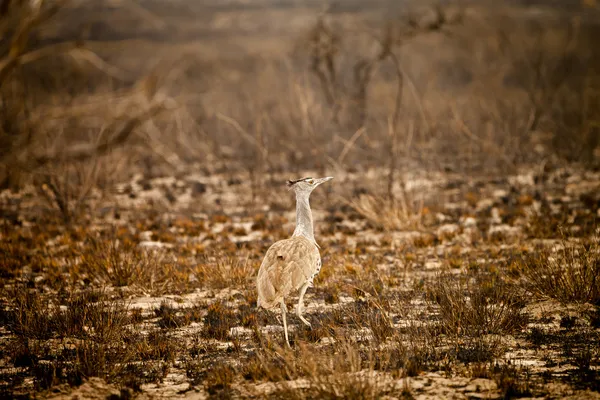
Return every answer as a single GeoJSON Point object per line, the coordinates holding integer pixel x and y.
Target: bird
{"type": "Point", "coordinates": [292, 264]}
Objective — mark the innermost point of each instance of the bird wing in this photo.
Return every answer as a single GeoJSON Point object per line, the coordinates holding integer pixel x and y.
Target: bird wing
{"type": "Point", "coordinates": [287, 265]}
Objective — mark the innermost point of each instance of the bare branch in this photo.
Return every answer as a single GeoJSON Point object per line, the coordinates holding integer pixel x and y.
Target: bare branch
{"type": "Point", "coordinates": [112, 140]}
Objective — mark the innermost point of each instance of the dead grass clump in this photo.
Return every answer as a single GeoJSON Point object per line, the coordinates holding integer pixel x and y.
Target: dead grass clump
{"type": "Point", "coordinates": [64, 344]}
{"type": "Point", "coordinates": [168, 316]}
{"type": "Point", "coordinates": [546, 224]}
{"type": "Point", "coordinates": [388, 214]}
{"type": "Point", "coordinates": [330, 292]}
{"type": "Point", "coordinates": [264, 365]}
{"type": "Point", "coordinates": [218, 380]}
{"type": "Point", "coordinates": [28, 316]}
{"type": "Point", "coordinates": [371, 314]}
{"type": "Point", "coordinates": [117, 263]}
{"type": "Point", "coordinates": [478, 305]}
{"type": "Point", "coordinates": [122, 263]}
{"type": "Point", "coordinates": [425, 240]}
{"type": "Point", "coordinates": [419, 346]}
{"type": "Point", "coordinates": [195, 370]}
{"type": "Point", "coordinates": [248, 315]}
{"type": "Point", "coordinates": [157, 345]}
{"type": "Point", "coordinates": [223, 271]}
{"type": "Point", "coordinates": [93, 316]}
{"type": "Point", "coordinates": [475, 312]}
{"type": "Point", "coordinates": [66, 187]}
{"type": "Point", "coordinates": [320, 328]}
{"type": "Point", "coordinates": [359, 385]}
{"type": "Point", "coordinates": [569, 275]}
{"type": "Point", "coordinates": [218, 321]}
{"type": "Point", "coordinates": [14, 254]}
{"type": "Point", "coordinates": [341, 372]}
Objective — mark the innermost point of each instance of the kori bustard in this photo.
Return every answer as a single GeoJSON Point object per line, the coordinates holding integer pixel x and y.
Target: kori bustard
{"type": "Point", "coordinates": [292, 264]}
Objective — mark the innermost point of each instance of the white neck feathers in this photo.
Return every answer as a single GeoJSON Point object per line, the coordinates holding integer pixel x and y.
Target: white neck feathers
{"type": "Point", "coordinates": [304, 220]}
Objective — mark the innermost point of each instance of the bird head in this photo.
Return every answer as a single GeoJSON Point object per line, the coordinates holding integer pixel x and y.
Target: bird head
{"type": "Point", "coordinates": [306, 185]}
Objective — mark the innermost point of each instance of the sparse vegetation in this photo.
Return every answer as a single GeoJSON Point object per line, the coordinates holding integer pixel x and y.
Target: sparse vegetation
{"type": "Point", "coordinates": [569, 274]}
{"type": "Point", "coordinates": [142, 170]}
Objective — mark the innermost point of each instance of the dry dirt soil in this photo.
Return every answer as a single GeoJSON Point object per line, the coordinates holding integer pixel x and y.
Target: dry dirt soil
{"type": "Point", "coordinates": [438, 281]}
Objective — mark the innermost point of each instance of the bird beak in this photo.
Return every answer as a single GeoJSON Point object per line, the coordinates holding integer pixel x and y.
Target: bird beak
{"type": "Point", "coordinates": [323, 180]}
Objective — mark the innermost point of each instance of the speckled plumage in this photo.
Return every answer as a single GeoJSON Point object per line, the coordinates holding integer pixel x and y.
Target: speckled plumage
{"type": "Point", "coordinates": [288, 265]}
{"type": "Point", "coordinates": [291, 264]}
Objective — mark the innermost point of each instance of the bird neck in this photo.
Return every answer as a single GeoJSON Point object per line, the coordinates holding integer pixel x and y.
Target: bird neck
{"type": "Point", "coordinates": [304, 220]}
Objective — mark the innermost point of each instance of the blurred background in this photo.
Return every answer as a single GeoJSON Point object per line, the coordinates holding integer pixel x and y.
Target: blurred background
{"type": "Point", "coordinates": [104, 89]}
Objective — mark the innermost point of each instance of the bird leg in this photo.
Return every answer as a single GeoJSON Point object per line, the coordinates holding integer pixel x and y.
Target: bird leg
{"type": "Point", "coordinates": [283, 311]}
{"type": "Point", "coordinates": [300, 303]}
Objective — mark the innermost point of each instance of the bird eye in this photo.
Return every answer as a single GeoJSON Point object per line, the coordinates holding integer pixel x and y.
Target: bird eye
{"type": "Point", "coordinates": [311, 181]}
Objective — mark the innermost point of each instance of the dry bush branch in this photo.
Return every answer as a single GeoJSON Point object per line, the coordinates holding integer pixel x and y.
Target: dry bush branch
{"type": "Point", "coordinates": [27, 128]}
{"type": "Point", "coordinates": [325, 45]}
{"type": "Point", "coordinates": [68, 186]}
{"type": "Point", "coordinates": [26, 17]}
{"type": "Point", "coordinates": [116, 134]}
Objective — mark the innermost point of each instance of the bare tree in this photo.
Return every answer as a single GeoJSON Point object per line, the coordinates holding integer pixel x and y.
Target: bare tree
{"type": "Point", "coordinates": [325, 45]}
{"type": "Point", "coordinates": [23, 124]}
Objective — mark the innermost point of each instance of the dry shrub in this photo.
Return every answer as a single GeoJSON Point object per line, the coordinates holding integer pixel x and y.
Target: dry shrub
{"type": "Point", "coordinates": [51, 123]}
{"type": "Point", "coordinates": [475, 311]}
{"type": "Point", "coordinates": [168, 316]}
{"type": "Point", "coordinates": [172, 317]}
{"type": "Point", "coordinates": [218, 321]}
{"type": "Point", "coordinates": [373, 315]}
{"type": "Point", "coordinates": [345, 374]}
{"type": "Point", "coordinates": [85, 337]}
{"type": "Point", "coordinates": [68, 188]}
{"type": "Point", "coordinates": [88, 315]}
{"type": "Point", "coordinates": [157, 345]}
{"type": "Point", "coordinates": [479, 305]}
{"type": "Point", "coordinates": [387, 214]}
{"type": "Point", "coordinates": [264, 365]}
{"type": "Point", "coordinates": [28, 315]}
{"type": "Point", "coordinates": [225, 271]}
{"type": "Point", "coordinates": [218, 379]}
{"type": "Point", "coordinates": [320, 372]}
{"type": "Point", "coordinates": [122, 263]}
{"type": "Point", "coordinates": [571, 274]}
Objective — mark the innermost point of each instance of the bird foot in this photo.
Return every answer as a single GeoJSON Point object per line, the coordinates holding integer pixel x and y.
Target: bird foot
{"type": "Point", "coordinates": [306, 322]}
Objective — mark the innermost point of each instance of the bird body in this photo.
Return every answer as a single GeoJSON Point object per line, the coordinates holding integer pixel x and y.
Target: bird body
{"type": "Point", "coordinates": [288, 265]}
{"type": "Point", "coordinates": [291, 264]}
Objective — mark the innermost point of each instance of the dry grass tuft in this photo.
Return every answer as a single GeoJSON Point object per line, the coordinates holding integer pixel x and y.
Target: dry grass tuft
{"type": "Point", "coordinates": [322, 372]}
{"type": "Point", "coordinates": [219, 379]}
{"type": "Point", "coordinates": [122, 263]}
{"type": "Point", "coordinates": [478, 305]}
{"type": "Point", "coordinates": [387, 214]}
{"type": "Point", "coordinates": [86, 336]}
{"type": "Point", "coordinates": [223, 270]}
{"type": "Point", "coordinates": [570, 274]}
{"type": "Point", "coordinates": [476, 311]}
{"type": "Point", "coordinates": [218, 321]}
